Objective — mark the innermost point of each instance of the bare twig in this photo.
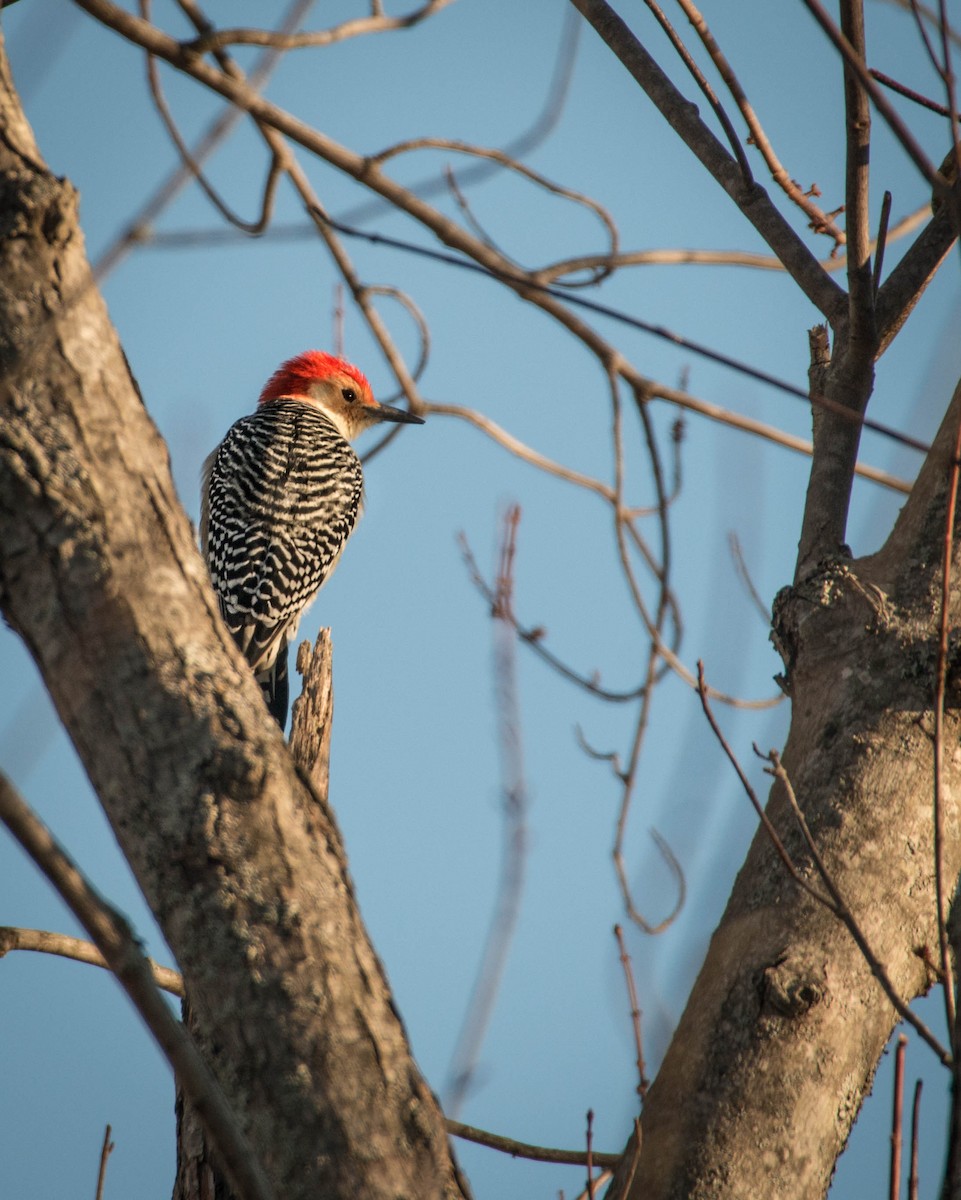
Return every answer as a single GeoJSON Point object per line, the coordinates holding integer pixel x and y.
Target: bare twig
{"type": "Point", "coordinates": [39, 940]}
{"type": "Point", "coordinates": [820, 221]}
{"type": "Point", "coordinates": [881, 241]}
{"type": "Point", "coordinates": [120, 948]}
{"type": "Point", "coordinates": [897, 1139]}
{"type": "Point", "coordinates": [751, 794]}
{"type": "Point", "coordinates": [532, 289]}
{"type": "Point", "coordinates": [682, 116]}
{"type": "Point", "coordinates": [139, 228]}
{"type": "Point", "coordinates": [683, 399]}
{"type": "Point", "coordinates": [360, 26]}
{"type": "Point", "coordinates": [737, 555]}
{"type": "Point", "coordinates": [534, 635]}
{"type": "Point", "coordinates": [880, 101]}
{"type": "Point", "coordinates": [250, 228]}
{"type": "Point", "coordinates": [509, 163]}
{"type": "Point", "coordinates": [643, 1083]}
{"type": "Point", "coordinates": [105, 1151]}
{"type": "Point", "coordinates": [710, 95]}
{"type": "Point", "coordinates": [514, 853]}
{"type": "Point", "coordinates": [590, 1154]}
{"type": "Point", "coordinates": [574, 1158]}
{"type": "Point", "coordinates": [915, 1132]}
{"type": "Point", "coordinates": [910, 94]}
{"type": "Point", "coordinates": [589, 1192]}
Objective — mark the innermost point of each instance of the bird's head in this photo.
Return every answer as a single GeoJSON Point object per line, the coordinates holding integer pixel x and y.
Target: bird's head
{"type": "Point", "coordinates": [336, 388]}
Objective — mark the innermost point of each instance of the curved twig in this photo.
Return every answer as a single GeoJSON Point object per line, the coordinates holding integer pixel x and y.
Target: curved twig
{"type": "Point", "coordinates": [43, 942]}
{"type": "Point", "coordinates": [219, 38]}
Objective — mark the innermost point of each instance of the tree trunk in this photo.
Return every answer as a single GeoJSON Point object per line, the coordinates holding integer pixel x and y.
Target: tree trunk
{"type": "Point", "coordinates": [786, 1024]}
{"type": "Point", "coordinates": [240, 861]}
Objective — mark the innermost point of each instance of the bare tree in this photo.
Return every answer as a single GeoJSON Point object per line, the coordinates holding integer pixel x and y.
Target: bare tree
{"type": "Point", "coordinates": [839, 916]}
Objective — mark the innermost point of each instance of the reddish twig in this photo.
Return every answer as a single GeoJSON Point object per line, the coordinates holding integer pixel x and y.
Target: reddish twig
{"type": "Point", "coordinates": [820, 221]}
{"type": "Point", "coordinates": [915, 1131]}
{"type": "Point", "coordinates": [909, 93]}
{"type": "Point", "coordinates": [709, 94]}
{"type": "Point", "coordinates": [894, 1180]}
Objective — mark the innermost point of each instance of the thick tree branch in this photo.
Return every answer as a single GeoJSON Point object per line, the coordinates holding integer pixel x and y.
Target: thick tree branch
{"type": "Point", "coordinates": [682, 116]}
{"type": "Point", "coordinates": [239, 860]}
{"type": "Point", "coordinates": [738, 1098]}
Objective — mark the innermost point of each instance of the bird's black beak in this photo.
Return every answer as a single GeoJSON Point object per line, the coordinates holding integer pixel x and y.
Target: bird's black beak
{"type": "Point", "coordinates": [399, 416]}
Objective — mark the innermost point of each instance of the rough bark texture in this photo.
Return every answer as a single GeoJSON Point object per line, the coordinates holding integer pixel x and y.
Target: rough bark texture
{"type": "Point", "coordinates": [241, 863]}
{"type": "Point", "coordinates": [785, 1026]}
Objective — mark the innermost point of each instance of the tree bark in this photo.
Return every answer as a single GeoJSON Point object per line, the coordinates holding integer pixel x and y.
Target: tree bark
{"type": "Point", "coordinates": [240, 861]}
{"type": "Point", "coordinates": [785, 1026]}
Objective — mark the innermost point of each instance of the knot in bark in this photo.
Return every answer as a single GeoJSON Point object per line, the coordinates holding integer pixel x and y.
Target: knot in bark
{"type": "Point", "coordinates": [791, 988]}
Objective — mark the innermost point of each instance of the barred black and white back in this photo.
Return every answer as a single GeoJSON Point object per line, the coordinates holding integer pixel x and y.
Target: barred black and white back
{"type": "Point", "coordinates": [281, 496]}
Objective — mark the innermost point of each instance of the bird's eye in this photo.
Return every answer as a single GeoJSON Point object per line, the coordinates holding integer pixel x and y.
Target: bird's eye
{"type": "Point", "coordinates": [349, 394]}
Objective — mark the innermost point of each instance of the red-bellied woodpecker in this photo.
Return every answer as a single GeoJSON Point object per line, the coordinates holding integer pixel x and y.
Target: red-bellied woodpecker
{"type": "Point", "coordinates": [280, 497]}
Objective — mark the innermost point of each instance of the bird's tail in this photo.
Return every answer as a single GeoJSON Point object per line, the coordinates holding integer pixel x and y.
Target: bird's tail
{"type": "Point", "coordinates": [275, 686]}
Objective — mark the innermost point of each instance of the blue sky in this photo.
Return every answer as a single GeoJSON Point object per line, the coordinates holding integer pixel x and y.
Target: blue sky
{"type": "Point", "coordinates": [415, 769]}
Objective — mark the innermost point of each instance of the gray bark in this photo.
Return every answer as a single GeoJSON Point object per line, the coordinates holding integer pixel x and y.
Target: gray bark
{"type": "Point", "coordinates": [239, 859]}
{"type": "Point", "coordinates": [786, 1024]}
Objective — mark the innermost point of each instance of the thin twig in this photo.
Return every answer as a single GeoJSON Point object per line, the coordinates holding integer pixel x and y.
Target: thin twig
{"type": "Point", "coordinates": [710, 95]}
{"type": "Point", "coordinates": [590, 1154]}
{"type": "Point", "coordinates": [820, 221]}
{"type": "Point", "coordinates": [910, 94]}
{"type": "Point", "coordinates": [862, 324]}
{"type": "Point", "coordinates": [360, 26]}
{"type": "Point", "coordinates": [105, 1151]}
{"type": "Point", "coordinates": [897, 1120]}
{"type": "Point", "coordinates": [574, 1158]}
{"type": "Point", "coordinates": [533, 636]}
{"type": "Point", "coordinates": [881, 241]}
{"type": "Point", "coordinates": [880, 101]}
{"type": "Point", "coordinates": [915, 1139]}
{"type": "Point", "coordinates": [250, 228]}
{"type": "Point", "coordinates": [643, 1083]}
{"type": "Point", "coordinates": [138, 229]}
{"type": "Point", "coordinates": [40, 940]}
{"type": "Point", "coordinates": [772, 833]}
{"type": "Point", "coordinates": [514, 851]}
{"type": "Point", "coordinates": [532, 289]}
{"type": "Point", "coordinates": [598, 1181]}
{"type": "Point", "coordinates": [737, 555]}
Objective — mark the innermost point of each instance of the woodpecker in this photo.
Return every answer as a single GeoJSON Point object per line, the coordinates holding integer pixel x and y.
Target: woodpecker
{"type": "Point", "coordinates": [279, 498]}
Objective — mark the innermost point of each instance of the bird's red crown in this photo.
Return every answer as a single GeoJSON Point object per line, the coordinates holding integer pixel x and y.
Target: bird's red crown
{"type": "Point", "coordinates": [293, 377]}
